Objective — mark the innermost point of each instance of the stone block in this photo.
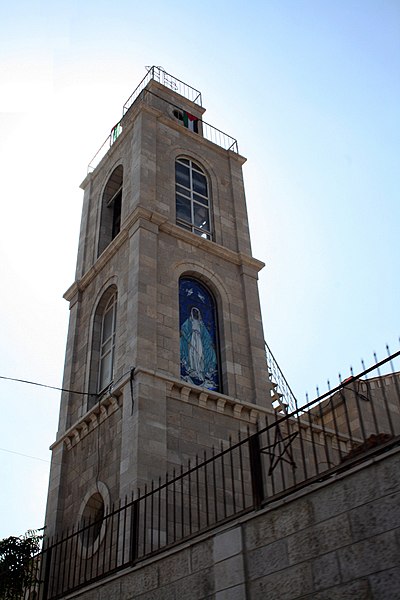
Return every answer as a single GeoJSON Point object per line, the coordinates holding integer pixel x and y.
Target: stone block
{"type": "Point", "coordinates": [326, 572]}
{"type": "Point", "coordinates": [388, 474]}
{"type": "Point", "coordinates": [238, 592]}
{"type": "Point", "coordinates": [386, 584]}
{"type": "Point", "coordinates": [287, 584]}
{"type": "Point", "coordinates": [329, 501]}
{"type": "Point", "coordinates": [195, 587]}
{"type": "Point", "coordinates": [319, 539]}
{"type": "Point", "coordinates": [110, 591]}
{"type": "Point", "coordinates": [229, 572]}
{"type": "Point", "coordinates": [227, 544]}
{"type": "Point", "coordinates": [267, 559]}
{"type": "Point", "coordinates": [166, 592]}
{"type": "Point", "coordinates": [201, 555]}
{"type": "Point", "coordinates": [369, 556]}
{"type": "Point", "coordinates": [375, 517]}
{"type": "Point", "coordinates": [139, 581]}
{"type": "Point", "coordinates": [279, 523]}
{"type": "Point", "coordinates": [354, 590]}
{"type": "Point", "coordinates": [174, 567]}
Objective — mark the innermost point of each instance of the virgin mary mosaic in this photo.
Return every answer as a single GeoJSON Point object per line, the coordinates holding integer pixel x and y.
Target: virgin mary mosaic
{"type": "Point", "coordinates": [198, 331]}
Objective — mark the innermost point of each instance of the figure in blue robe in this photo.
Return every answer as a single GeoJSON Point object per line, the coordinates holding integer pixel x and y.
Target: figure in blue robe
{"type": "Point", "coordinates": [198, 358]}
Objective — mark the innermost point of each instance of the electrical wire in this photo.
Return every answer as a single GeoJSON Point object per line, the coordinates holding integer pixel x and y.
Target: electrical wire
{"type": "Point", "coordinates": [25, 455]}
{"type": "Point", "coordinates": [51, 387]}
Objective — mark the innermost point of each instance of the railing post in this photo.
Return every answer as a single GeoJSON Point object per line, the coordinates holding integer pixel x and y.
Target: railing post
{"type": "Point", "coordinates": [134, 541]}
{"type": "Point", "coordinates": [46, 557]}
{"type": "Point", "coordinates": [257, 482]}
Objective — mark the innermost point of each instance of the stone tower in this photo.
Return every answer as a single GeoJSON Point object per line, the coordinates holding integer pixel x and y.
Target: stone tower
{"type": "Point", "coordinates": [165, 350]}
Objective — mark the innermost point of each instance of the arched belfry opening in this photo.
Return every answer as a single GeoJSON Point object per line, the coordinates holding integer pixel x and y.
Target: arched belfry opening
{"type": "Point", "coordinates": [111, 204]}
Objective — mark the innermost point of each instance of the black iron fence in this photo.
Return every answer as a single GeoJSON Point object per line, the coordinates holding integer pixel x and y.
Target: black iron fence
{"type": "Point", "coordinates": [347, 424]}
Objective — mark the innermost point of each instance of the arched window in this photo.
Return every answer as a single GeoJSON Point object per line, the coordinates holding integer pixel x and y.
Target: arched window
{"type": "Point", "coordinates": [110, 222]}
{"type": "Point", "coordinates": [103, 344]}
{"type": "Point", "coordinates": [199, 356]}
{"type": "Point", "coordinates": [192, 198]}
{"type": "Point", "coordinates": [107, 343]}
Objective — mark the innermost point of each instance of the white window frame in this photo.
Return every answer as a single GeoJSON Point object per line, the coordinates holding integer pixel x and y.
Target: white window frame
{"type": "Point", "coordinates": [107, 345]}
{"type": "Point", "coordinates": [196, 199]}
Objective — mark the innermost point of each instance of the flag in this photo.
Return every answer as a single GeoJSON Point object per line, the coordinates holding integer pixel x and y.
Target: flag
{"type": "Point", "coordinates": [190, 121]}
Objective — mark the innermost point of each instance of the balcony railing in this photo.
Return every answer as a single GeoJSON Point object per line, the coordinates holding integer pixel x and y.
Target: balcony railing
{"type": "Point", "coordinates": [282, 396]}
{"type": "Point", "coordinates": [158, 74]}
{"type": "Point", "coordinates": [344, 426]}
{"type": "Point", "coordinates": [206, 130]}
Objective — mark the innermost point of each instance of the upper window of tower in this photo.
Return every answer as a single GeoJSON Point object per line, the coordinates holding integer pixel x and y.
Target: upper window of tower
{"type": "Point", "coordinates": [192, 198]}
{"type": "Point", "coordinates": [110, 222]}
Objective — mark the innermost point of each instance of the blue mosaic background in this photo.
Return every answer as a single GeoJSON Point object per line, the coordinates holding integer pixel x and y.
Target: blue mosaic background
{"type": "Point", "coordinates": [198, 335]}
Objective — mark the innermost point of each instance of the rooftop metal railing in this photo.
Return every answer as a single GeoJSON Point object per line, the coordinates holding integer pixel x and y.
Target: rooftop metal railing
{"type": "Point", "coordinates": [206, 130]}
{"type": "Point", "coordinates": [160, 75]}
{"type": "Point", "coordinates": [282, 396]}
{"type": "Point", "coordinates": [348, 424]}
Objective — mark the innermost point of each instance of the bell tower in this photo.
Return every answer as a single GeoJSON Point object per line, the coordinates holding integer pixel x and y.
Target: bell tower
{"type": "Point", "coordinates": [165, 353]}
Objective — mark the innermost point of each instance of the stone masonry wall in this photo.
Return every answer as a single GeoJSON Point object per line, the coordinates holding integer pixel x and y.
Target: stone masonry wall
{"type": "Point", "coordinates": [336, 540]}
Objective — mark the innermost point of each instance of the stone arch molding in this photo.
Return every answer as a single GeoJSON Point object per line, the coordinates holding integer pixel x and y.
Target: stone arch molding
{"type": "Point", "coordinates": [202, 161]}
{"type": "Point", "coordinates": [197, 270]}
{"type": "Point", "coordinates": [97, 489]}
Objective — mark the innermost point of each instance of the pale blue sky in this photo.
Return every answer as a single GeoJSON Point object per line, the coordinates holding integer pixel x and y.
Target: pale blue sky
{"type": "Point", "coordinates": [310, 89]}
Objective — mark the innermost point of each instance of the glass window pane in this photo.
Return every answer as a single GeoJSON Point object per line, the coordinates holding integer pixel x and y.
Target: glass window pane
{"type": "Point", "coordinates": [182, 190]}
{"type": "Point", "coordinates": [107, 324]}
{"type": "Point", "coordinates": [201, 217]}
{"type": "Point", "coordinates": [199, 183]}
{"type": "Point", "coordinates": [183, 209]}
{"type": "Point", "coordinates": [106, 347]}
{"type": "Point", "coordinates": [184, 226]}
{"type": "Point", "coordinates": [202, 234]}
{"type": "Point", "coordinates": [196, 166]}
{"type": "Point", "coordinates": [200, 199]}
{"type": "Point", "coordinates": [105, 371]}
{"type": "Point", "coordinates": [182, 175]}
{"type": "Point", "coordinates": [183, 160]}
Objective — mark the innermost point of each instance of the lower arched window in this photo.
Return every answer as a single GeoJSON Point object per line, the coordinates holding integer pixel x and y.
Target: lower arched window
{"type": "Point", "coordinates": [199, 361]}
{"type": "Point", "coordinates": [103, 344]}
{"type": "Point", "coordinates": [107, 343]}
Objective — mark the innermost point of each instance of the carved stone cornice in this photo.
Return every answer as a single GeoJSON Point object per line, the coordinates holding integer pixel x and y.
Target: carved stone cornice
{"type": "Point", "coordinates": [251, 264]}
{"type": "Point", "coordinates": [207, 399]}
{"type": "Point", "coordinates": [107, 405]}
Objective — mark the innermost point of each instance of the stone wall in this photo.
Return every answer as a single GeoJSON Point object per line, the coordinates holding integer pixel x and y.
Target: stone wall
{"type": "Point", "coordinates": [337, 539]}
